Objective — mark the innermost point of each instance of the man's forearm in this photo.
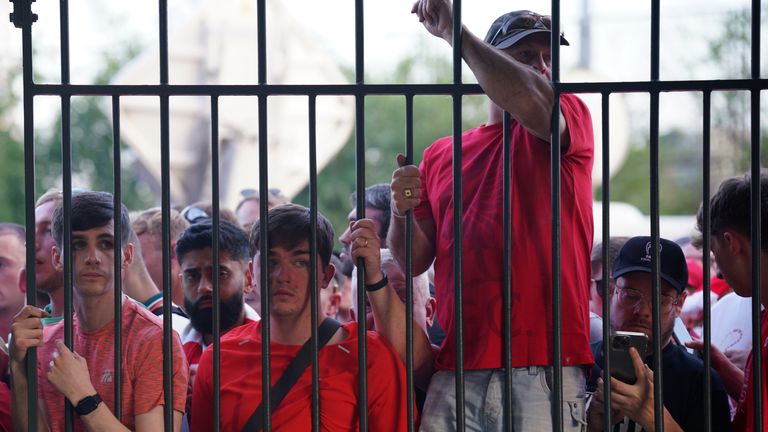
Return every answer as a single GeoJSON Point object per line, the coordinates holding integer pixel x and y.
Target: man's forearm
{"type": "Point", "coordinates": [19, 396]}
{"type": "Point", "coordinates": [390, 319]}
{"type": "Point", "coordinates": [102, 419]}
{"type": "Point", "coordinates": [423, 249]}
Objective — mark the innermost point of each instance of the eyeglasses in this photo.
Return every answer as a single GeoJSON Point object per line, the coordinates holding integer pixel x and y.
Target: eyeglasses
{"type": "Point", "coordinates": [633, 298]}
{"type": "Point", "coordinates": [249, 192]}
{"type": "Point", "coordinates": [522, 22]}
{"type": "Point", "coordinates": [194, 214]}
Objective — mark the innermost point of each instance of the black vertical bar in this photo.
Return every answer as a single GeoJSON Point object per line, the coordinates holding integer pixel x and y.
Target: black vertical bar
{"type": "Point", "coordinates": [606, 274]}
{"type": "Point", "coordinates": [706, 259]}
{"type": "Point", "coordinates": [507, 287]}
{"type": "Point", "coordinates": [66, 157]}
{"type": "Point", "coordinates": [360, 185]}
{"type": "Point", "coordinates": [757, 359]}
{"type": "Point", "coordinates": [29, 205]}
{"type": "Point", "coordinates": [458, 210]}
{"type": "Point", "coordinates": [409, 271]}
{"type": "Point", "coordinates": [165, 206]}
{"type": "Point", "coordinates": [557, 319]}
{"type": "Point", "coordinates": [118, 254]}
{"type": "Point", "coordinates": [313, 261]}
{"type": "Point", "coordinates": [655, 282]}
{"type": "Point", "coordinates": [263, 227]}
{"type": "Point", "coordinates": [215, 249]}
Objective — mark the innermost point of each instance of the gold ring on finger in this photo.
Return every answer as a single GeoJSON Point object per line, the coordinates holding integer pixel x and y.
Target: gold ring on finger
{"type": "Point", "coordinates": [408, 192]}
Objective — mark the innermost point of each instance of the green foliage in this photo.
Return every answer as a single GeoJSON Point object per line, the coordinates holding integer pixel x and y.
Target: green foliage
{"type": "Point", "coordinates": [680, 152]}
{"type": "Point", "coordinates": [385, 134]}
{"type": "Point", "coordinates": [11, 155]}
{"type": "Point", "coordinates": [92, 145]}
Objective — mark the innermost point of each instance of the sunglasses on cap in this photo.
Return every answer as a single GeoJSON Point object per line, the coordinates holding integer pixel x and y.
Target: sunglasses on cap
{"type": "Point", "coordinates": [194, 214]}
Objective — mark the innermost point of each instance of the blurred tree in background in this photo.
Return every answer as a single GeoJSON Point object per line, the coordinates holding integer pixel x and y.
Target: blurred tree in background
{"type": "Point", "coordinates": [385, 133]}
{"type": "Point", "coordinates": [681, 151]}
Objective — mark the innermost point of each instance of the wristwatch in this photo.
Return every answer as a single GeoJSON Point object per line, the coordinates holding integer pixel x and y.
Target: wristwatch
{"type": "Point", "coordinates": [88, 405]}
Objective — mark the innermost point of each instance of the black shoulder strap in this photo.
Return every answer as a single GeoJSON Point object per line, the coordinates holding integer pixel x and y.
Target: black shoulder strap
{"type": "Point", "coordinates": [292, 373]}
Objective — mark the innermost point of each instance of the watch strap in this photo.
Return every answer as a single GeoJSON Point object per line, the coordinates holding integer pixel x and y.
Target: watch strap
{"type": "Point", "coordinates": [88, 404]}
{"type": "Point", "coordinates": [378, 285]}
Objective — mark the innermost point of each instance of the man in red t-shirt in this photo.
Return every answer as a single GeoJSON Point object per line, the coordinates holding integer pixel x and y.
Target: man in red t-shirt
{"type": "Point", "coordinates": [84, 375]}
{"type": "Point", "coordinates": [512, 65]}
{"type": "Point", "coordinates": [290, 327]}
{"type": "Point", "coordinates": [195, 255]}
{"type": "Point", "coordinates": [730, 241]}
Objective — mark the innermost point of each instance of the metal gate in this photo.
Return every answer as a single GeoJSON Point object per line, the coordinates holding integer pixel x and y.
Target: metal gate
{"type": "Point", "coordinates": [23, 18]}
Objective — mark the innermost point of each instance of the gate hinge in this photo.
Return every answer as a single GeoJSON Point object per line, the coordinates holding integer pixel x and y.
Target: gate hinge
{"type": "Point", "coordinates": [22, 15]}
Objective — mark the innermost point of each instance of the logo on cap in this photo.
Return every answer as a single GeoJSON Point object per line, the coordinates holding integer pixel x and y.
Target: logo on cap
{"type": "Point", "coordinates": [647, 257]}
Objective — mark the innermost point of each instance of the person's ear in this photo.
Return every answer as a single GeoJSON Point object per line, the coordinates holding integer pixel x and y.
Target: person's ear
{"type": "Point", "coordinates": [735, 243]}
{"type": "Point", "coordinates": [56, 258]}
{"type": "Point", "coordinates": [327, 276]}
{"type": "Point", "coordinates": [127, 255]}
{"type": "Point", "coordinates": [431, 307]}
{"type": "Point", "coordinates": [680, 301]}
{"type": "Point", "coordinates": [248, 282]}
{"type": "Point", "coordinates": [22, 283]}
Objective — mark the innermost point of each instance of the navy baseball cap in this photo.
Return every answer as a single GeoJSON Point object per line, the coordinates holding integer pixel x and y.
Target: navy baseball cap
{"type": "Point", "coordinates": [635, 256]}
{"type": "Point", "coordinates": [512, 27]}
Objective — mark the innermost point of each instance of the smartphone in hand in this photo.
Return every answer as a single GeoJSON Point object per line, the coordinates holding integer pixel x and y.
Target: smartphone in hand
{"type": "Point", "coordinates": [621, 362]}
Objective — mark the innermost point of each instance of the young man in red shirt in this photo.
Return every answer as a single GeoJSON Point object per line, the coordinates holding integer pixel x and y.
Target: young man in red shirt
{"type": "Point", "coordinates": [290, 328]}
{"type": "Point", "coordinates": [513, 66]}
{"type": "Point", "coordinates": [85, 375]}
{"type": "Point", "coordinates": [730, 241]}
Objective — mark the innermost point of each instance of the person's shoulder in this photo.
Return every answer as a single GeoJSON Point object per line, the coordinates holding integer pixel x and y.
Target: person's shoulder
{"type": "Point", "coordinates": [140, 317]}
{"type": "Point", "coordinates": [683, 361]}
{"type": "Point", "coordinates": [247, 331]}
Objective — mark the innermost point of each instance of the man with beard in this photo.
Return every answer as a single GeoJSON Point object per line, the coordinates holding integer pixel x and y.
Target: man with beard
{"type": "Point", "coordinates": [195, 254]}
{"type": "Point", "coordinates": [290, 327]}
{"type": "Point", "coordinates": [684, 375]}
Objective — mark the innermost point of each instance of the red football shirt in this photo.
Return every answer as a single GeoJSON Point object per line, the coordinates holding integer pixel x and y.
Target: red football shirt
{"type": "Point", "coordinates": [240, 376]}
{"type": "Point", "coordinates": [743, 420]}
{"type": "Point", "coordinates": [531, 260]}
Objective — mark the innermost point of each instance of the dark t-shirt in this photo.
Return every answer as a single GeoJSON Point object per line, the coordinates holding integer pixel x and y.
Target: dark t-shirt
{"type": "Point", "coordinates": [683, 390]}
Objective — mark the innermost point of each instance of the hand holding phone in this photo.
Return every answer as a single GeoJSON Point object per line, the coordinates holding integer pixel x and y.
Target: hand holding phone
{"type": "Point", "coordinates": [621, 362]}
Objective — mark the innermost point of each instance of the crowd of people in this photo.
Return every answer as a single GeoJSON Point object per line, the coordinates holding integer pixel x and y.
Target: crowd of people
{"type": "Point", "coordinates": [512, 64]}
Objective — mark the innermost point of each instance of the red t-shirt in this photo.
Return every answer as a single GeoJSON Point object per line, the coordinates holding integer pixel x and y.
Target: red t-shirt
{"type": "Point", "coordinates": [142, 345]}
{"type": "Point", "coordinates": [531, 261]}
{"type": "Point", "coordinates": [6, 421]}
{"type": "Point", "coordinates": [743, 420]}
{"type": "Point", "coordinates": [240, 375]}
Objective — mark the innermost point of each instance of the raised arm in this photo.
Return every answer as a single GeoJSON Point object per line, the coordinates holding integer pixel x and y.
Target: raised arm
{"type": "Point", "coordinates": [516, 87]}
{"type": "Point", "coordinates": [406, 190]}
{"type": "Point", "coordinates": [388, 310]}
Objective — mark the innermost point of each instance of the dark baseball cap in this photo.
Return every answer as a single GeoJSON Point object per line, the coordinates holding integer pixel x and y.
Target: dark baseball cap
{"type": "Point", "coordinates": [635, 256]}
{"type": "Point", "coordinates": [512, 27]}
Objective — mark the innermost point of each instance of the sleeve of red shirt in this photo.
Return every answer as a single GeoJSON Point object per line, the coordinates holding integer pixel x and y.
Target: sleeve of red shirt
{"type": "Point", "coordinates": [202, 396]}
{"type": "Point", "coordinates": [6, 422]}
{"type": "Point", "coordinates": [579, 123]}
{"type": "Point", "coordinates": [387, 393]}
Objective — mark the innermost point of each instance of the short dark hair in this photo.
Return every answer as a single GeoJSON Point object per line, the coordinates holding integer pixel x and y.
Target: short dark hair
{"type": "Point", "coordinates": [16, 229]}
{"type": "Point", "coordinates": [378, 197]}
{"type": "Point", "coordinates": [288, 225]}
{"type": "Point", "coordinates": [90, 209]}
{"type": "Point", "coordinates": [730, 208]}
{"type": "Point", "coordinates": [614, 246]}
{"type": "Point", "coordinates": [232, 239]}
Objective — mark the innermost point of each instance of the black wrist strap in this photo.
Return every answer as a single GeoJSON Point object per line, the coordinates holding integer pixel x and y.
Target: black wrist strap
{"type": "Point", "coordinates": [292, 373]}
{"type": "Point", "coordinates": [378, 285]}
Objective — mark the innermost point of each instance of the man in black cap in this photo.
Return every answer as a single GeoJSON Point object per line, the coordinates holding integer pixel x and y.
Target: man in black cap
{"type": "Point", "coordinates": [513, 66]}
{"type": "Point", "coordinates": [684, 375]}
